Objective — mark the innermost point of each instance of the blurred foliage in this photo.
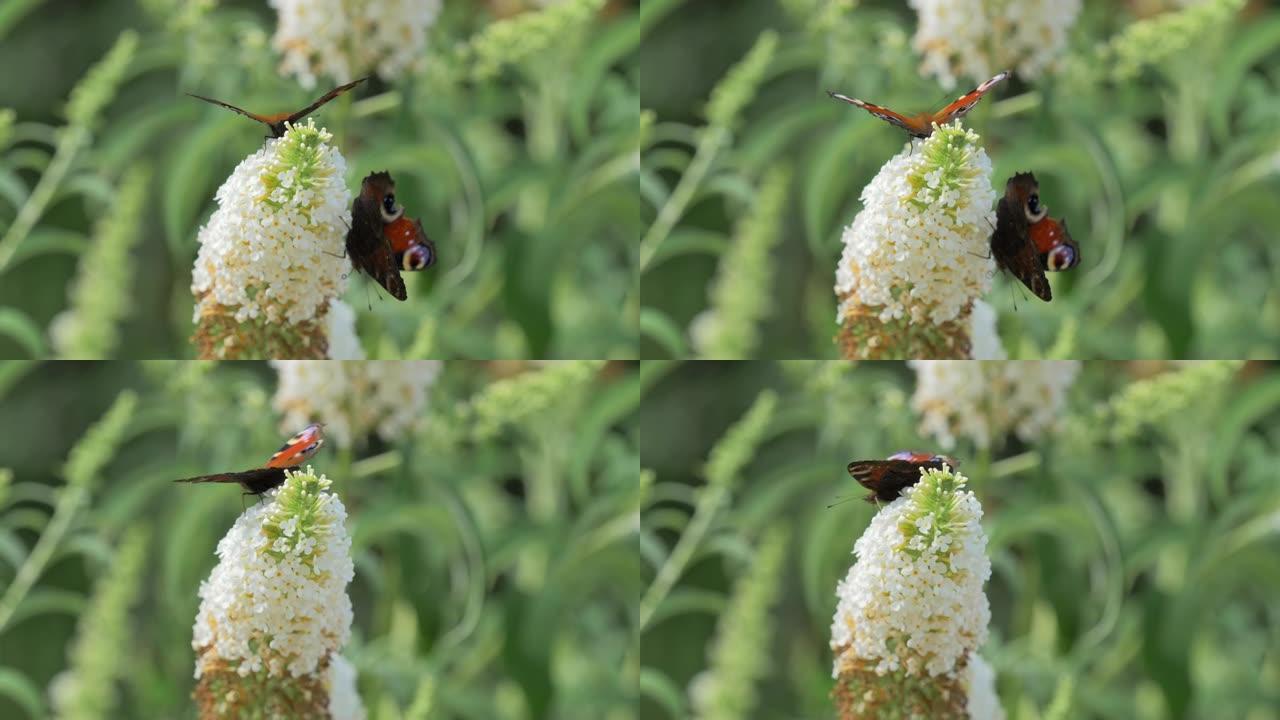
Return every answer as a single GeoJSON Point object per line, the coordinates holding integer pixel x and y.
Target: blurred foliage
{"type": "Point", "coordinates": [496, 572]}
{"type": "Point", "coordinates": [1133, 553]}
{"type": "Point", "coordinates": [520, 158]}
{"type": "Point", "coordinates": [1159, 141]}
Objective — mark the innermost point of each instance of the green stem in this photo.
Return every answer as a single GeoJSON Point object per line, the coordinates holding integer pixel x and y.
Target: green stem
{"type": "Point", "coordinates": [73, 138]}
{"type": "Point", "coordinates": [712, 140]}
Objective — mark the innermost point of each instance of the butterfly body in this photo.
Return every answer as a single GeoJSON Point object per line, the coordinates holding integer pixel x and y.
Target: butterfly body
{"type": "Point", "coordinates": [277, 122]}
{"type": "Point", "coordinates": [921, 125]}
{"type": "Point", "coordinates": [886, 479]}
{"type": "Point", "coordinates": [373, 210]}
{"type": "Point", "coordinates": [1027, 242]}
{"type": "Point", "coordinates": [297, 450]}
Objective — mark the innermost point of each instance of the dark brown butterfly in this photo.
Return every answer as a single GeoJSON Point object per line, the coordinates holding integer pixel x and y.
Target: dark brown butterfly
{"type": "Point", "coordinates": [373, 210]}
{"type": "Point", "coordinates": [921, 125]}
{"type": "Point", "coordinates": [293, 453]}
{"type": "Point", "coordinates": [276, 122]}
{"type": "Point", "coordinates": [886, 479]}
{"type": "Point", "coordinates": [1026, 241]}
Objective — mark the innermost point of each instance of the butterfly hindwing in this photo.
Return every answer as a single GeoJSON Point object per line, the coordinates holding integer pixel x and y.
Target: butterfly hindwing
{"type": "Point", "coordinates": [886, 479]}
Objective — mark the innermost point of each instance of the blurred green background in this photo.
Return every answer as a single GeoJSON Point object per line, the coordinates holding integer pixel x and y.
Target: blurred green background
{"type": "Point", "coordinates": [496, 572]}
{"type": "Point", "coordinates": [1159, 141]}
{"type": "Point", "coordinates": [1133, 553]}
{"type": "Point", "coordinates": [515, 146]}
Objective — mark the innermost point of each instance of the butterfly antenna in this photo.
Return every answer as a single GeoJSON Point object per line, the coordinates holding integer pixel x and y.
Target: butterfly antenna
{"type": "Point", "coordinates": [842, 500]}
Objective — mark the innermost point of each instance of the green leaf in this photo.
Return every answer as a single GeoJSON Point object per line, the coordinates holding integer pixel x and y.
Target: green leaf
{"type": "Point", "coordinates": [662, 690]}
{"type": "Point", "coordinates": [16, 325]}
{"type": "Point", "coordinates": [17, 687]}
{"type": "Point", "coordinates": [190, 183]}
{"type": "Point", "coordinates": [658, 327]}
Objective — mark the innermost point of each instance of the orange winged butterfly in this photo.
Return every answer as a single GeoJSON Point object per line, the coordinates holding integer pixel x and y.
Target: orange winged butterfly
{"type": "Point", "coordinates": [276, 121]}
{"type": "Point", "coordinates": [297, 450]}
{"type": "Point", "coordinates": [921, 125]}
{"type": "Point", "coordinates": [886, 479]}
{"type": "Point", "coordinates": [1026, 241]}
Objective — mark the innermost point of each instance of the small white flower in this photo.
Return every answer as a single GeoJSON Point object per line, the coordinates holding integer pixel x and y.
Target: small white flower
{"type": "Point", "coordinates": [345, 39]}
{"type": "Point", "coordinates": [975, 39]}
{"type": "Point", "coordinates": [273, 252]}
{"type": "Point", "coordinates": [354, 399]}
{"type": "Point", "coordinates": [344, 698]}
{"type": "Point", "coordinates": [343, 343]}
{"type": "Point", "coordinates": [984, 401]}
{"type": "Point", "coordinates": [984, 339]}
{"type": "Point", "coordinates": [980, 689]}
{"type": "Point", "coordinates": [913, 601]}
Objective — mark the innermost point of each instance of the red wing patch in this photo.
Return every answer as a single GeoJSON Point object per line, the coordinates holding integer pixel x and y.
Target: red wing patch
{"type": "Point", "coordinates": [299, 448]}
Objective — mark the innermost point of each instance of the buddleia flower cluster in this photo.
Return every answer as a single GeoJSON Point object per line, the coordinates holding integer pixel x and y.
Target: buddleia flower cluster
{"type": "Point", "coordinates": [984, 401]}
{"type": "Point", "coordinates": [917, 256]}
{"type": "Point", "coordinates": [912, 612]}
{"type": "Point", "coordinates": [347, 39]}
{"type": "Point", "coordinates": [271, 257]}
{"type": "Point", "coordinates": [274, 613]}
{"type": "Point", "coordinates": [354, 399]}
{"type": "Point", "coordinates": [975, 39]}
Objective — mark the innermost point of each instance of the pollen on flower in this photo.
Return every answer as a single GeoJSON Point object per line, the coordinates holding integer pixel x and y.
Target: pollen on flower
{"type": "Point", "coordinates": [270, 257]}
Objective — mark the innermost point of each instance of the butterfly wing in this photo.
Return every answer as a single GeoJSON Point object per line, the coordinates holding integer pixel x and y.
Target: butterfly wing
{"type": "Point", "coordinates": [886, 479]}
{"type": "Point", "coordinates": [299, 448]}
{"type": "Point", "coordinates": [369, 249]}
{"type": "Point", "coordinates": [897, 119]}
{"type": "Point", "coordinates": [295, 117]}
{"type": "Point", "coordinates": [251, 480]}
{"type": "Point", "coordinates": [260, 118]}
{"type": "Point", "coordinates": [966, 102]}
{"type": "Point", "coordinates": [1012, 247]}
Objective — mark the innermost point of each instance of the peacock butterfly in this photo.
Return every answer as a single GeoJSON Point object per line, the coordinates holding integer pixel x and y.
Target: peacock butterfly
{"type": "Point", "coordinates": [372, 212]}
{"type": "Point", "coordinates": [277, 121]}
{"type": "Point", "coordinates": [921, 126]}
{"type": "Point", "coordinates": [297, 450]}
{"type": "Point", "coordinates": [886, 479]}
{"type": "Point", "coordinates": [1026, 241]}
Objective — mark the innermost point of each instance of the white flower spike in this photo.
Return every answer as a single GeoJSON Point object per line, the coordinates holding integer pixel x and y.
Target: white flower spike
{"type": "Point", "coordinates": [984, 401]}
{"type": "Point", "coordinates": [912, 612]}
{"type": "Point", "coordinates": [917, 256]}
{"type": "Point", "coordinates": [354, 399]}
{"type": "Point", "coordinates": [274, 613]}
{"type": "Point", "coordinates": [974, 38]}
{"type": "Point", "coordinates": [271, 257]}
{"type": "Point", "coordinates": [343, 39]}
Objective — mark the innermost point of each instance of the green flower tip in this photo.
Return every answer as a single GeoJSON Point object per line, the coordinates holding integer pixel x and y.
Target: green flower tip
{"type": "Point", "coordinates": [933, 508]}
{"type": "Point", "coordinates": [739, 86]}
{"type": "Point", "coordinates": [99, 85]}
